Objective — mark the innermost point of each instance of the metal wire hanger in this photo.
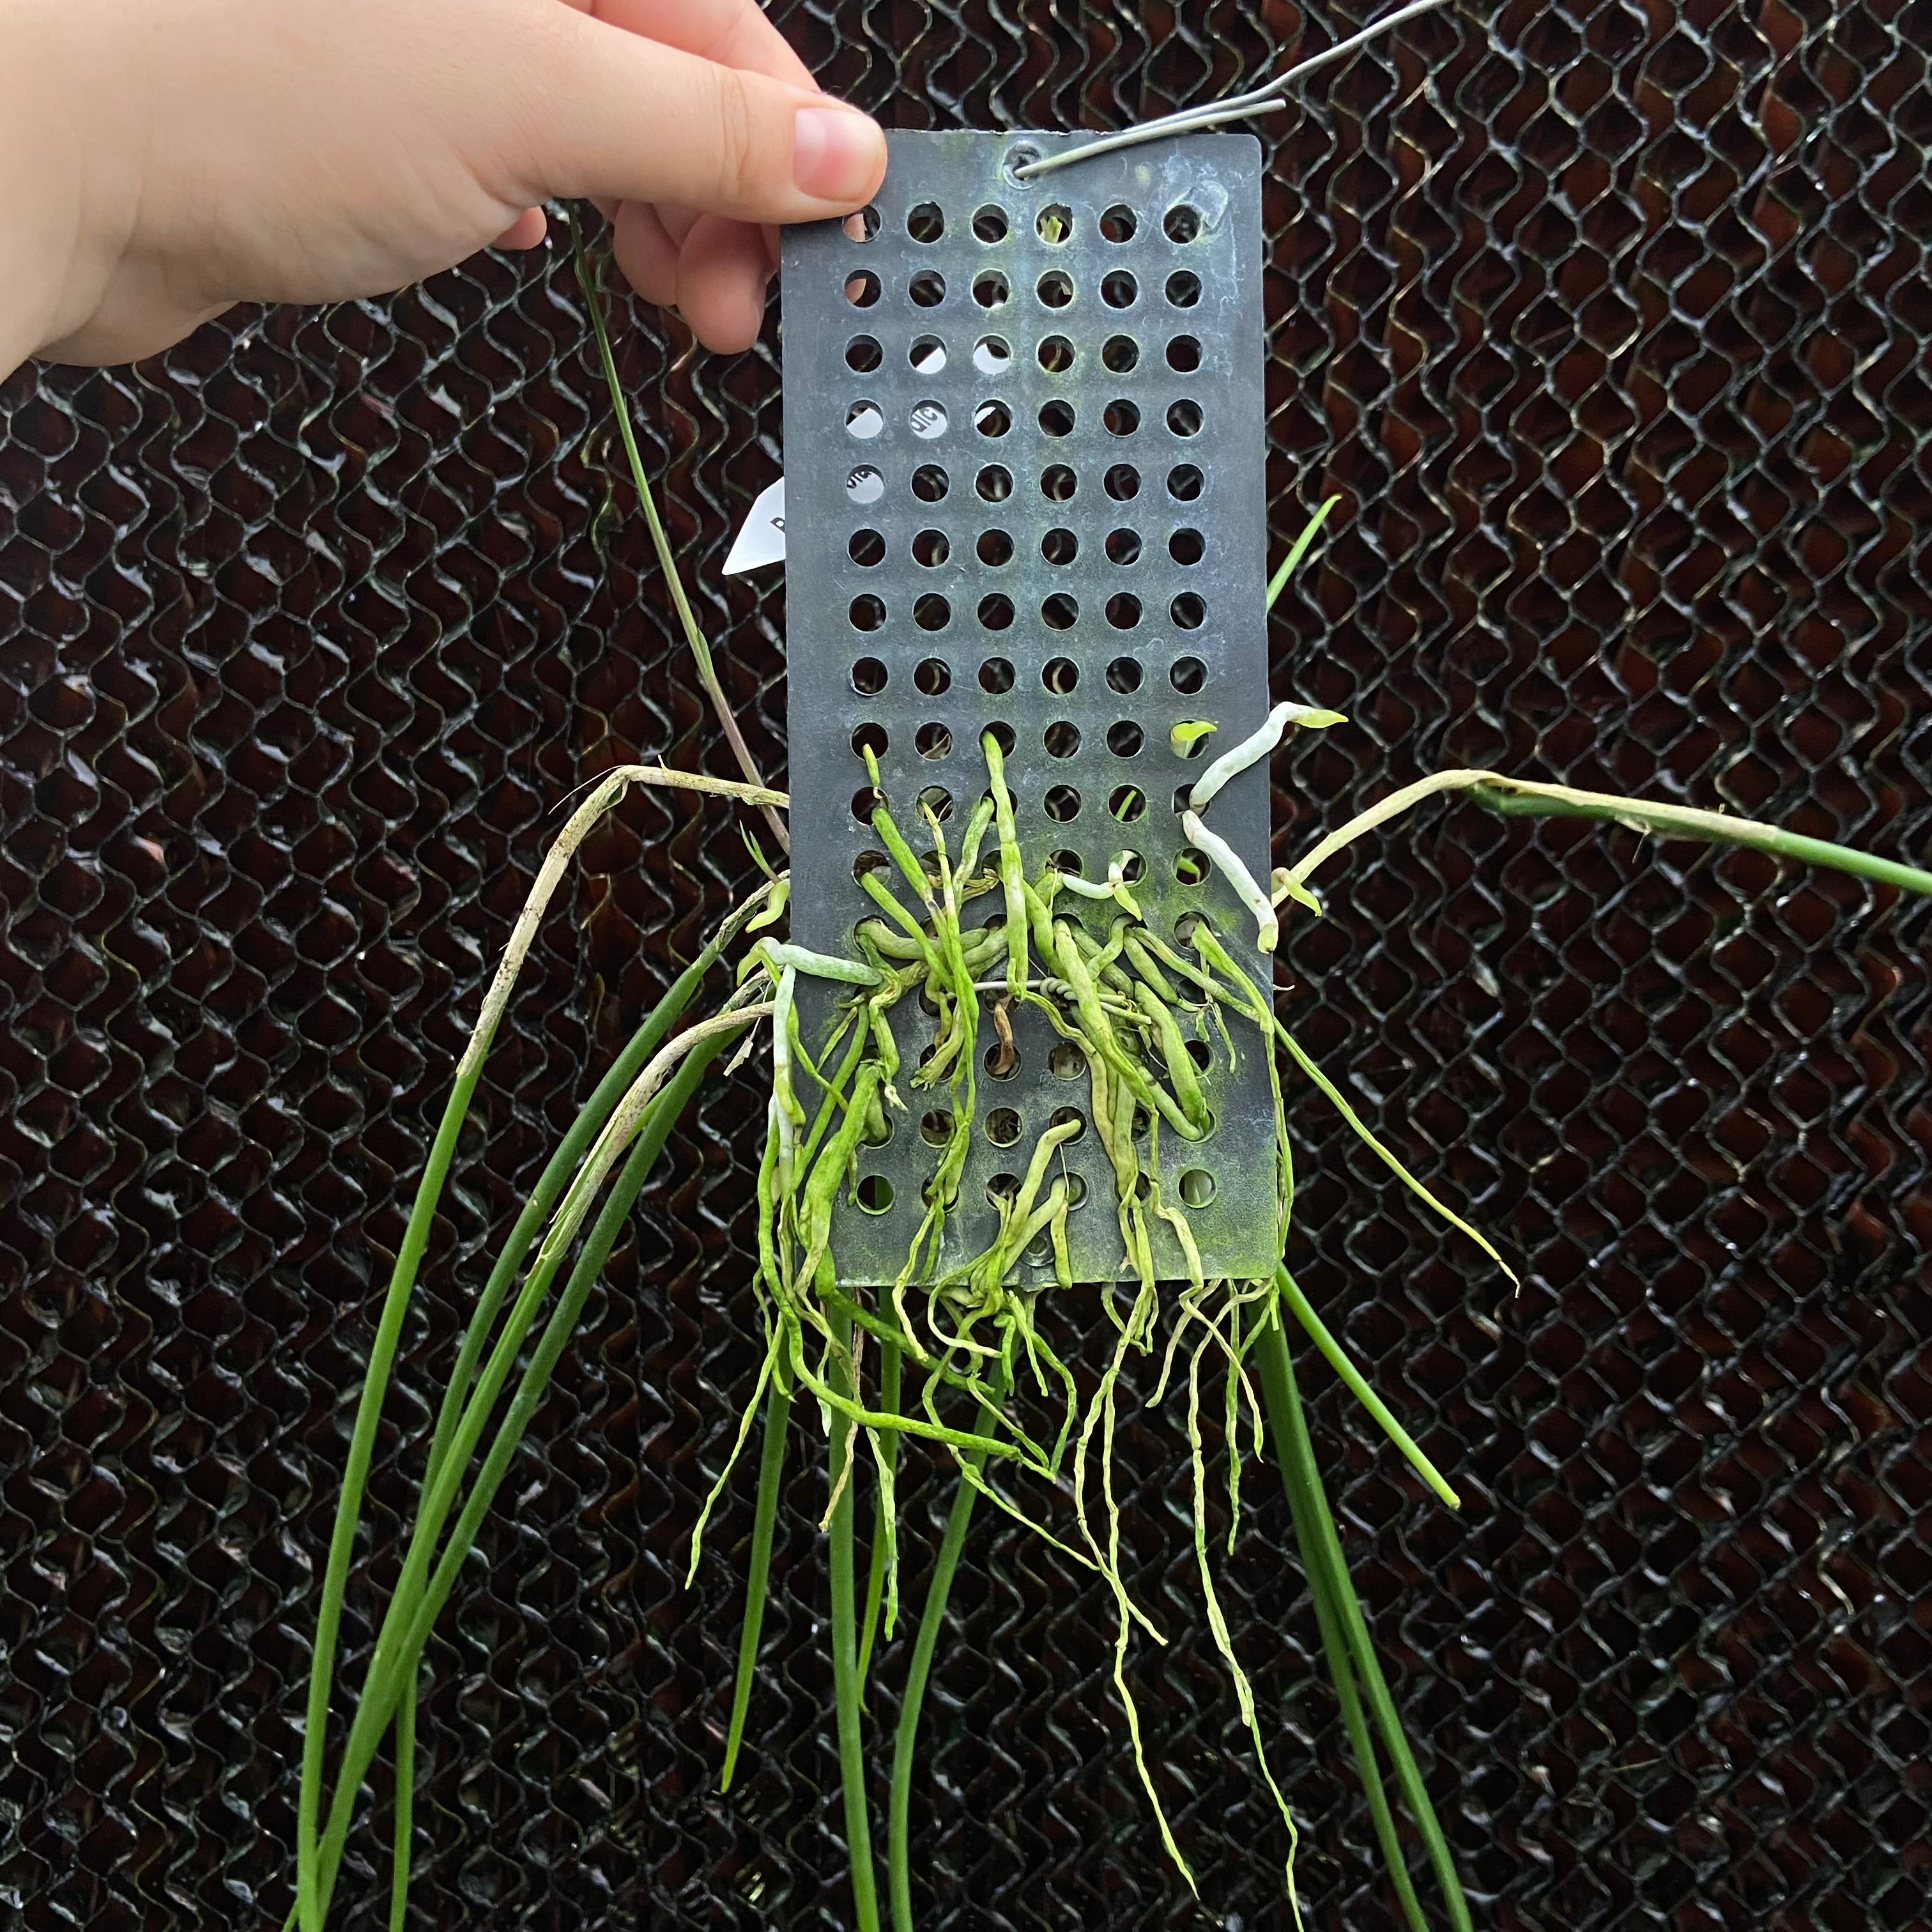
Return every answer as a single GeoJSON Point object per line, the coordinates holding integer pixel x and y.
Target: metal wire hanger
{"type": "Point", "coordinates": [1271, 94]}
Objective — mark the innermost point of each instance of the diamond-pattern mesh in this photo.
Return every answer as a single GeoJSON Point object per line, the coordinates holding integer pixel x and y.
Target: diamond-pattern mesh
{"type": "Point", "coordinates": [1610, 327]}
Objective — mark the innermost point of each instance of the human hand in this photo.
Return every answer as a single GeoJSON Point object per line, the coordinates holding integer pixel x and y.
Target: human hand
{"type": "Point", "coordinates": [169, 158]}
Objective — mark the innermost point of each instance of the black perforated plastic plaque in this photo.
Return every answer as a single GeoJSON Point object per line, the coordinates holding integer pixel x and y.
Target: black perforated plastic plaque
{"type": "Point", "coordinates": [1024, 435]}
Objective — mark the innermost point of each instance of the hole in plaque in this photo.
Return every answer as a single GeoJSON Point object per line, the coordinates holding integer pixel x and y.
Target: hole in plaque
{"type": "Point", "coordinates": [1061, 676]}
{"type": "Point", "coordinates": [1063, 738]}
{"type": "Point", "coordinates": [931, 675]}
{"type": "Point", "coordinates": [1060, 612]}
{"type": "Point", "coordinates": [863, 354]}
{"type": "Point", "coordinates": [1118, 223]}
{"type": "Point", "coordinates": [929, 483]}
{"type": "Point", "coordinates": [1127, 803]}
{"type": "Point", "coordinates": [1125, 739]}
{"type": "Point", "coordinates": [1187, 547]}
{"type": "Point", "coordinates": [1183, 418]}
{"type": "Point", "coordinates": [1188, 611]}
{"type": "Point", "coordinates": [1062, 803]}
{"type": "Point", "coordinates": [1182, 223]}
{"type": "Point", "coordinates": [1118, 288]}
{"type": "Point", "coordinates": [931, 612]}
{"type": "Point", "coordinates": [1123, 675]}
{"type": "Point", "coordinates": [1183, 288]}
{"type": "Point", "coordinates": [1188, 675]}
{"type": "Point", "coordinates": [992, 419]}
{"type": "Point", "coordinates": [1021, 154]}
{"type": "Point", "coordinates": [1123, 482]}
{"type": "Point", "coordinates": [925, 222]}
{"type": "Point", "coordinates": [935, 1127]}
{"type": "Point", "coordinates": [866, 548]}
{"type": "Point", "coordinates": [1121, 417]}
{"type": "Point", "coordinates": [862, 288]}
{"type": "Point", "coordinates": [1056, 354]}
{"type": "Point", "coordinates": [867, 612]}
{"type": "Point", "coordinates": [865, 485]}
{"type": "Point", "coordinates": [875, 1194]}
{"type": "Point", "coordinates": [1121, 353]}
{"type": "Point", "coordinates": [995, 612]}
{"type": "Point", "coordinates": [933, 741]}
{"type": "Point", "coordinates": [989, 224]}
{"type": "Point", "coordinates": [862, 224]}
{"type": "Point", "coordinates": [930, 548]}
{"type": "Point", "coordinates": [1123, 611]}
{"type": "Point", "coordinates": [994, 547]}
{"type": "Point", "coordinates": [1054, 288]}
{"type": "Point", "coordinates": [992, 356]}
{"type": "Point", "coordinates": [927, 289]}
{"type": "Point", "coordinates": [1123, 546]}
{"type": "Point", "coordinates": [1054, 224]}
{"type": "Point", "coordinates": [1059, 546]}
{"type": "Point", "coordinates": [1184, 483]}
{"type": "Point", "coordinates": [868, 677]}
{"type": "Point", "coordinates": [1057, 483]}
{"type": "Point", "coordinates": [996, 675]}
{"type": "Point", "coordinates": [927, 354]}
{"type": "Point", "coordinates": [1056, 417]}
{"type": "Point", "coordinates": [1183, 353]}
{"type": "Point", "coordinates": [864, 421]}
{"type": "Point", "coordinates": [994, 483]}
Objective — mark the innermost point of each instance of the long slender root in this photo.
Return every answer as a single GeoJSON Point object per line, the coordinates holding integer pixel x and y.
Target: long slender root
{"type": "Point", "coordinates": [846, 1688]}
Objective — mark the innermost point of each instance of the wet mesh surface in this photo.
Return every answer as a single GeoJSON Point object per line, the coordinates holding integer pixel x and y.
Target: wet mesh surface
{"type": "Point", "coordinates": [1609, 328]}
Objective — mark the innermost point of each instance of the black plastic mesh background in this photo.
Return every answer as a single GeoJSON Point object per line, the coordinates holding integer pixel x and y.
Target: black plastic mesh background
{"type": "Point", "coordinates": [1610, 324]}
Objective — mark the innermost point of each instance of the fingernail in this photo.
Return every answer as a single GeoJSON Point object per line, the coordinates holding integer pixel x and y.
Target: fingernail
{"type": "Point", "coordinates": [835, 154]}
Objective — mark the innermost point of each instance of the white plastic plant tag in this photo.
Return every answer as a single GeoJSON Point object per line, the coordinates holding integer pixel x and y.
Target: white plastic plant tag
{"type": "Point", "coordinates": [760, 540]}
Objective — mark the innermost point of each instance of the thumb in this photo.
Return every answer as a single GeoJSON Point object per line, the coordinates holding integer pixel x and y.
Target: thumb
{"type": "Point", "coordinates": [634, 120]}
